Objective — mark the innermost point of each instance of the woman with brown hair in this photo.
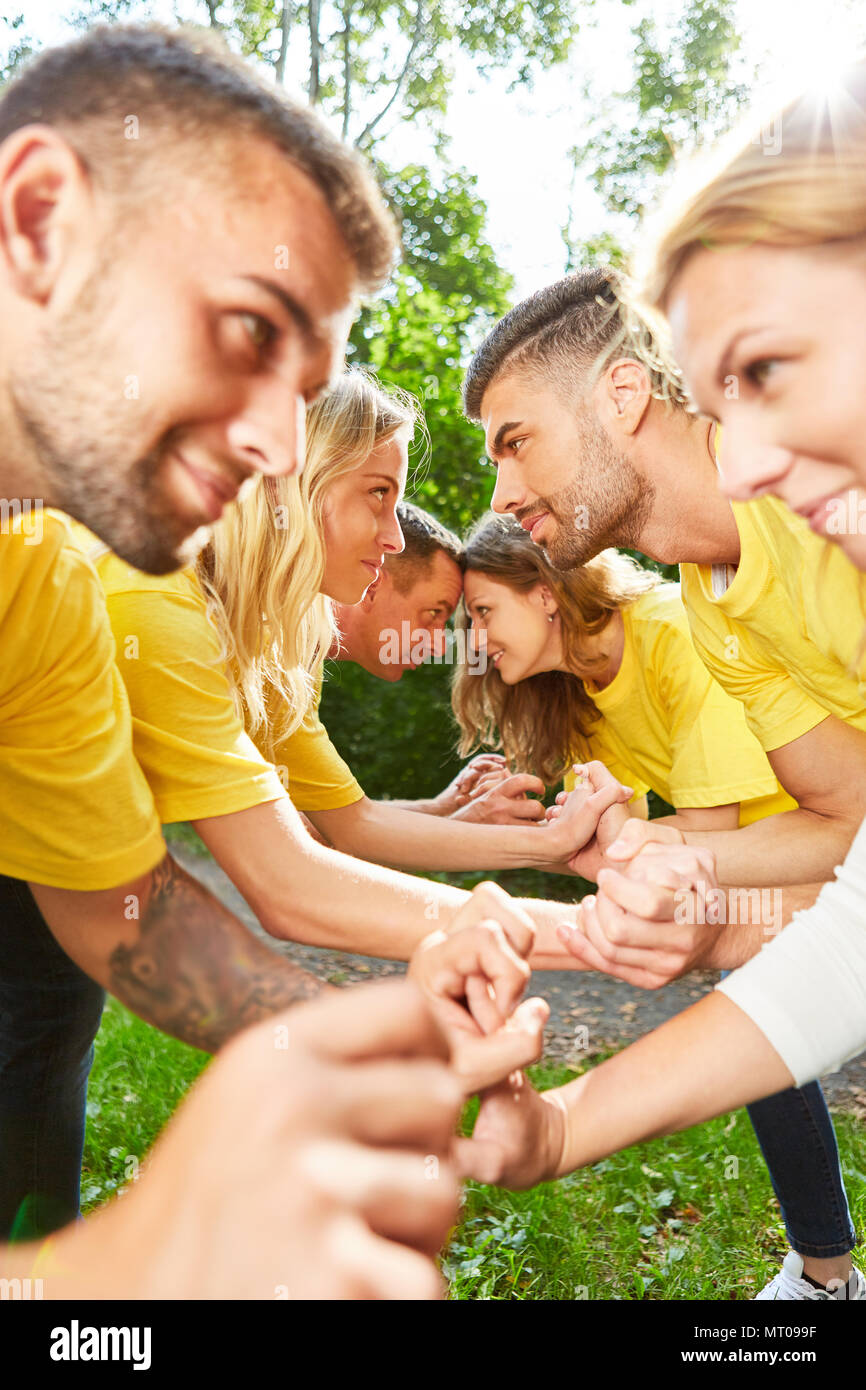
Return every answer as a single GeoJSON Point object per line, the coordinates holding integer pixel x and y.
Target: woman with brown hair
{"type": "Point", "coordinates": [597, 663]}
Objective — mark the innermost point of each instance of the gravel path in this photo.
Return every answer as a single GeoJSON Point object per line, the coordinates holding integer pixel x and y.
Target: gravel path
{"type": "Point", "coordinates": [590, 1013]}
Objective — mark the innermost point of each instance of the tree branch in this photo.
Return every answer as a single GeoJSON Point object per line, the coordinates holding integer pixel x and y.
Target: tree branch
{"type": "Point", "coordinates": [398, 86]}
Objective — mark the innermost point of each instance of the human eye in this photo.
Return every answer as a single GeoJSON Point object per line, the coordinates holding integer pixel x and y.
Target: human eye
{"type": "Point", "coordinates": [380, 492]}
{"type": "Point", "coordinates": [759, 371]}
{"type": "Point", "coordinates": [480, 611]}
{"type": "Point", "coordinates": [253, 334]}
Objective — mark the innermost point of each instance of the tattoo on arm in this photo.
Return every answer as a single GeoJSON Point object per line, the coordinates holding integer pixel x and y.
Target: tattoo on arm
{"type": "Point", "coordinates": [195, 971]}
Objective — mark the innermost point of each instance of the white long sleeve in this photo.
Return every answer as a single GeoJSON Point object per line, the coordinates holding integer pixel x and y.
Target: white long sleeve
{"type": "Point", "coordinates": [806, 990]}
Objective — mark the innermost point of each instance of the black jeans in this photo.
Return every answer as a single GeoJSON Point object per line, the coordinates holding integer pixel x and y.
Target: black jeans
{"type": "Point", "coordinates": [797, 1139]}
{"type": "Point", "coordinates": [49, 1016]}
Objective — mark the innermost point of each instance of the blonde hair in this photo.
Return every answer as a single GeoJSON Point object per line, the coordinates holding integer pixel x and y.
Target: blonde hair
{"type": "Point", "coordinates": [797, 179]}
{"type": "Point", "coordinates": [263, 568]}
{"type": "Point", "coordinates": [808, 191]}
{"type": "Point", "coordinates": [539, 721]}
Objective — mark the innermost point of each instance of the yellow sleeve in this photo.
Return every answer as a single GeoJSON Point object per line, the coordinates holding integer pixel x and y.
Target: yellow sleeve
{"type": "Point", "coordinates": [188, 736]}
{"type": "Point", "coordinates": [76, 809]}
{"type": "Point", "coordinates": [776, 707]}
{"type": "Point", "coordinates": [715, 759]}
{"type": "Point", "coordinates": [310, 767]}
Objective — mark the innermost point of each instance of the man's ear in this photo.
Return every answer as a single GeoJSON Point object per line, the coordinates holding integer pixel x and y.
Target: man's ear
{"type": "Point", "coordinates": [376, 587]}
{"type": "Point", "coordinates": [44, 193]}
{"type": "Point", "coordinates": [622, 396]}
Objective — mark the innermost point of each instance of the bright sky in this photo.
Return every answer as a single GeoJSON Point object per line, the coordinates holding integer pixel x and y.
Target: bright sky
{"type": "Point", "coordinates": [517, 143]}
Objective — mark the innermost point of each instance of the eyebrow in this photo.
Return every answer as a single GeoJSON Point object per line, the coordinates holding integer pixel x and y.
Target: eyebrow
{"type": "Point", "coordinates": [386, 478]}
{"type": "Point", "coordinates": [500, 435]}
{"type": "Point", "coordinates": [292, 306]}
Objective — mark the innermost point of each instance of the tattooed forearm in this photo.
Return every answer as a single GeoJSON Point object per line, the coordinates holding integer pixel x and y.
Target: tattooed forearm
{"type": "Point", "coordinates": [195, 971]}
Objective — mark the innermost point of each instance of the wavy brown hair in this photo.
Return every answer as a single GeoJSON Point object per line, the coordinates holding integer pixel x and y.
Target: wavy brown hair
{"type": "Point", "coordinates": [539, 721]}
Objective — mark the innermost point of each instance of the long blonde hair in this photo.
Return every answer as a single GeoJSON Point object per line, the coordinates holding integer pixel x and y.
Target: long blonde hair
{"type": "Point", "coordinates": [539, 721]}
{"type": "Point", "coordinates": [263, 568]}
{"type": "Point", "coordinates": [796, 179]}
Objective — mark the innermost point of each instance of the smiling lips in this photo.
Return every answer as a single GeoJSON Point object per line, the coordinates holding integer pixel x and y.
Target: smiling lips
{"type": "Point", "coordinates": [215, 490]}
{"type": "Point", "coordinates": [531, 522]}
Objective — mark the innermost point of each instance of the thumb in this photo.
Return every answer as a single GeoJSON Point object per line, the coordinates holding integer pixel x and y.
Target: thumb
{"type": "Point", "coordinates": [636, 833]}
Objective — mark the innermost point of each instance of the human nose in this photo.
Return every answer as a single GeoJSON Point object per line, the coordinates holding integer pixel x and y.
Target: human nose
{"type": "Point", "coordinates": [390, 535]}
{"type": "Point", "coordinates": [507, 494]}
{"type": "Point", "coordinates": [749, 466]}
{"type": "Point", "coordinates": [268, 435]}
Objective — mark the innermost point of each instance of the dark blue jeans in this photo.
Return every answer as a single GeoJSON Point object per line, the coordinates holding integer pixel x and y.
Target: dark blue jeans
{"type": "Point", "coordinates": [798, 1142]}
{"type": "Point", "coordinates": [49, 1016]}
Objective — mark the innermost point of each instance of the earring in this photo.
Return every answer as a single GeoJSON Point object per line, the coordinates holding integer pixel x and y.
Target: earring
{"type": "Point", "coordinates": [550, 617]}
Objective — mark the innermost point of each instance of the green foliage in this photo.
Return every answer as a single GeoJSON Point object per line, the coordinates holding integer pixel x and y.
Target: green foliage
{"type": "Point", "coordinates": [397, 737]}
{"type": "Point", "coordinates": [684, 91]}
{"type": "Point", "coordinates": [659, 1221]}
{"type": "Point", "coordinates": [17, 45]}
{"type": "Point", "coordinates": [378, 60]}
{"type": "Point", "coordinates": [420, 334]}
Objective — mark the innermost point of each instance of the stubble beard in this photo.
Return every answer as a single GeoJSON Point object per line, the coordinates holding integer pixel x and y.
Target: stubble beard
{"type": "Point", "coordinates": [83, 430]}
{"type": "Point", "coordinates": [610, 506]}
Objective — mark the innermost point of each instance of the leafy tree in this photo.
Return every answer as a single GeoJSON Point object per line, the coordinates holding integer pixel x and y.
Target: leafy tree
{"type": "Point", "coordinates": [369, 61]}
{"type": "Point", "coordinates": [685, 89]}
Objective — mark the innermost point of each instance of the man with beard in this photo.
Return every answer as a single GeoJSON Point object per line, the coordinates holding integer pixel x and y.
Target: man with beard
{"type": "Point", "coordinates": [589, 429]}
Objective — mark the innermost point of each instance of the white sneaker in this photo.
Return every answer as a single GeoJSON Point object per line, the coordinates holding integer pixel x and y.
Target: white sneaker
{"type": "Point", "coordinates": [789, 1284]}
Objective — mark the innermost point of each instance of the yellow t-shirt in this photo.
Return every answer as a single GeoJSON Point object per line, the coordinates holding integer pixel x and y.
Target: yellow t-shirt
{"type": "Point", "coordinates": [310, 767]}
{"type": "Point", "coordinates": [76, 809]}
{"type": "Point", "coordinates": [666, 725]}
{"type": "Point", "coordinates": [187, 735]}
{"type": "Point", "coordinates": [785, 636]}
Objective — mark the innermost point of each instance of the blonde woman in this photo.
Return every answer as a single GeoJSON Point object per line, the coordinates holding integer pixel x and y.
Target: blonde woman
{"type": "Point", "coordinates": [761, 270]}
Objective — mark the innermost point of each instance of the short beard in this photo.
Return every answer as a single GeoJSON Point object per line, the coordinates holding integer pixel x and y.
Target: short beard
{"type": "Point", "coordinates": [82, 442]}
{"type": "Point", "coordinates": [609, 506]}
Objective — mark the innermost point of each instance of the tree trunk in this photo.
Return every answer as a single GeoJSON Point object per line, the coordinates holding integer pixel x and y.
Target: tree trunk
{"type": "Point", "coordinates": [347, 66]}
{"type": "Point", "coordinates": [286, 18]}
{"type": "Point", "coordinates": [315, 51]}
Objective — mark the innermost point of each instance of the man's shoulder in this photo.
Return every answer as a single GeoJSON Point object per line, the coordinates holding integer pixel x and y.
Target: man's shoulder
{"type": "Point", "coordinates": [42, 570]}
{"type": "Point", "coordinates": [117, 577]}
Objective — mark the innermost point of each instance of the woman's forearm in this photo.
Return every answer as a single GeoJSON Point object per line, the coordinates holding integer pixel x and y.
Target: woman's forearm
{"type": "Point", "coordinates": [301, 890]}
{"type": "Point", "coordinates": [710, 1059]}
{"type": "Point", "coordinates": [390, 835]}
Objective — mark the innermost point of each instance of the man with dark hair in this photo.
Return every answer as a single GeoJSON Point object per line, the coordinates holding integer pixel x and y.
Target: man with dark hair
{"type": "Point", "coordinates": [587, 426]}
{"type": "Point", "coordinates": [181, 250]}
{"type": "Point", "coordinates": [416, 594]}
{"type": "Point", "coordinates": [191, 245]}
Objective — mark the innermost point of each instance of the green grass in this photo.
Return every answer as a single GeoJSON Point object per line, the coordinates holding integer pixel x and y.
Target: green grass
{"type": "Point", "coordinates": [688, 1217]}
